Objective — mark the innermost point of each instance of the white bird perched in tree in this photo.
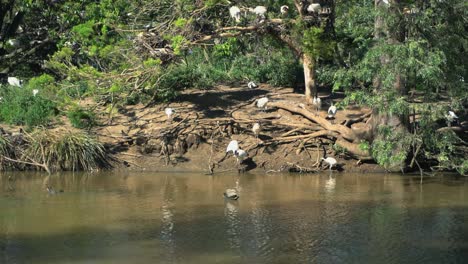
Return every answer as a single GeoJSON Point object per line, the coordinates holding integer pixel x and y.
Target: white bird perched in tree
{"type": "Point", "coordinates": [256, 128]}
{"type": "Point", "coordinates": [169, 112]}
{"type": "Point", "coordinates": [313, 8]}
{"type": "Point", "coordinates": [451, 116]}
{"type": "Point", "coordinates": [35, 91]}
{"type": "Point", "coordinates": [241, 155]}
{"type": "Point", "coordinates": [235, 13]}
{"type": "Point", "coordinates": [252, 85]}
{"type": "Point", "coordinates": [233, 193]}
{"type": "Point", "coordinates": [262, 102]}
{"type": "Point", "coordinates": [317, 102]}
{"type": "Point", "coordinates": [284, 10]}
{"type": "Point", "coordinates": [259, 11]}
{"type": "Point", "coordinates": [13, 81]}
{"type": "Point", "coordinates": [332, 111]}
{"type": "Point", "coordinates": [233, 146]}
{"type": "Point", "coordinates": [330, 161]}
{"type": "Point", "coordinates": [385, 2]}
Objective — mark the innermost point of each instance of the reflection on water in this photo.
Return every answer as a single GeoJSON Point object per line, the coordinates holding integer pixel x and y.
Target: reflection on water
{"type": "Point", "coordinates": [183, 218]}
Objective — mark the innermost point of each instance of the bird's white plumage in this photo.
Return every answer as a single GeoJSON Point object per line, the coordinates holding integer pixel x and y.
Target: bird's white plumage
{"type": "Point", "coordinates": [252, 85]}
{"type": "Point", "coordinates": [317, 102]}
{"type": "Point", "coordinates": [13, 81]}
{"type": "Point", "coordinates": [452, 115]}
{"type": "Point", "coordinates": [331, 111]}
{"type": "Point", "coordinates": [259, 10]}
{"type": "Point", "coordinates": [235, 13]}
{"type": "Point", "coordinates": [233, 146]}
{"type": "Point", "coordinates": [284, 9]}
{"type": "Point", "coordinates": [330, 161]}
{"type": "Point", "coordinates": [35, 91]}
{"type": "Point", "coordinates": [313, 8]}
{"type": "Point", "coordinates": [385, 1]}
{"type": "Point", "coordinates": [262, 102]}
{"type": "Point", "coordinates": [256, 128]}
{"type": "Point", "coordinates": [169, 112]}
{"type": "Point", "coordinates": [241, 155]}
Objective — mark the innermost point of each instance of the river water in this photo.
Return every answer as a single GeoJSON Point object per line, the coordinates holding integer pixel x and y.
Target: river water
{"type": "Point", "coordinates": [113, 217]}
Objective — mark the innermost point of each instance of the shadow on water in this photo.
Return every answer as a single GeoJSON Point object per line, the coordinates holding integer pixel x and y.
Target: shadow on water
{"type": "Point", "coordinates": [182, 218]}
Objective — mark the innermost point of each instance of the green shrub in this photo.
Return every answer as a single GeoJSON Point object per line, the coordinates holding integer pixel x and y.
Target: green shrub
{"type": "Point", "coordinates": [81, 118]}
{"type": "Point", "coordinates": [19, 107]}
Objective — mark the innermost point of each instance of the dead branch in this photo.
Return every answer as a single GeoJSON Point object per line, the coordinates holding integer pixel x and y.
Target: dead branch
{"type": "Point", "coordinates": [344, 131]}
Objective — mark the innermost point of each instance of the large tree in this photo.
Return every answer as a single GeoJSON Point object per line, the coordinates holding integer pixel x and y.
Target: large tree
{"type": "Point", "coordinates": [307, 31]}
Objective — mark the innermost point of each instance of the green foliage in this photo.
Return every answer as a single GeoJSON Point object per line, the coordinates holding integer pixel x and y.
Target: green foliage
{"type": "Point", "coordinates": [364, 146]}
{"type": "Point", "coordinates": [18, 106]}
{"type": "Point", "coordinates": [178, 43]}
{"type": "Point", "coordinates": [81, 118]}
{"type": "Point", "coordinates": [317, 43]}
{"type": "Point", "coordinates": [390, 148]}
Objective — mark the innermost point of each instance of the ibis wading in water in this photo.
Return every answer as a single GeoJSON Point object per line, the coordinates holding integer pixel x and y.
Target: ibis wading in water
{"type": "Point", "coordinates": [330, 161]}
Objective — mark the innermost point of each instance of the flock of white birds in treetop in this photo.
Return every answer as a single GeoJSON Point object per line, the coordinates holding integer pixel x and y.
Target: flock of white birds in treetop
{"type": "Point", "coordinates": [261, 11]}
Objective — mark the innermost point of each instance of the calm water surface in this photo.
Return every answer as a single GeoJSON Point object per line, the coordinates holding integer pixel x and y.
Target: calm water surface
{"type": "Point", "coordinates": [281, 218]}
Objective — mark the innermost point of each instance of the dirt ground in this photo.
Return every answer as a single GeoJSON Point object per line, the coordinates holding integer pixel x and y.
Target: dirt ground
{"type": "Point", "coordinates": [195, 139]}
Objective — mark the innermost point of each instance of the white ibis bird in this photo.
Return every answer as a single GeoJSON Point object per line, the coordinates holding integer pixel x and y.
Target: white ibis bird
{"type": "Point", "coordinates": [331, 111]}
{"type": "Point", "coordinates": [330, 161]}
{"type": "Point", "coordinates": [259, 11]}
{"type": "Point", "coordinates": [252, 85]}
{"type": "Point", "coordinates": [232, 194]}
{"type": "Point", "coordinates": [284, 10]}
{"type": "Point", "coordinates": [313, 8]}
{"type": "Point", "coordinates": [451, 117]}
{"type": "Point", "coordinates": [235, 13]}
{"type": "Point", "coordinates": [13, 81]}
{"type": "Point", "coordinates": [317, 102]}
{"type": "Point", "coordinates": [241, 155]}
{"type": "Point", "coordinates": [262, 103]}
{"type": "Point", "coordinates": [233, 146]}
{"type": "Point", "coordinates": [169, 112]}
{"type": "Point", "coordinates": [35, 91]}
{"type": "Point", "coordinates": [256, 128]}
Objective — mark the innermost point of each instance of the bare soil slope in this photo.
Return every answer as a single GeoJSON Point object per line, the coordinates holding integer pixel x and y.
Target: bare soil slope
{"type": "Point", "coordinates": [195, 139]}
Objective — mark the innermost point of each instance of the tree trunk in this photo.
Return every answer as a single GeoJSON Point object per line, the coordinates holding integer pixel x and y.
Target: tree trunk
{"type": "Point", "coordinates": [309, 77]}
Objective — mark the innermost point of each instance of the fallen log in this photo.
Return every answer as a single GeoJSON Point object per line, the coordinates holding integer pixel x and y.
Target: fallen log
{"type": "Point", "coordinates": [344, 131]}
